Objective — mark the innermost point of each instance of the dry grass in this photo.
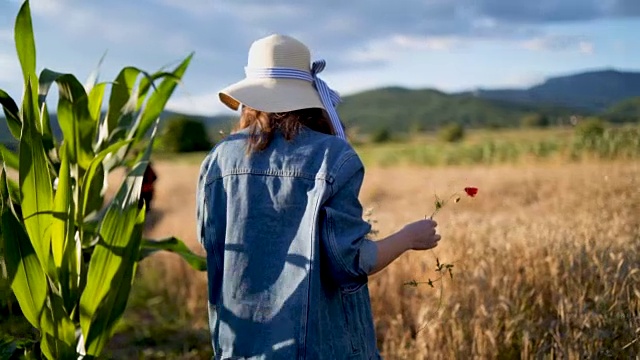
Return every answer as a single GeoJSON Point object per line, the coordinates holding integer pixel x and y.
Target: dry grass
{"type": "Point", "coordinates": [547, 261]}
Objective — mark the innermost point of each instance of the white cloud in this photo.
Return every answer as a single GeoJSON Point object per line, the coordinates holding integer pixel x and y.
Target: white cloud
{"type": "Point", "coordinates": [558, 43]}
{"type": "Point", "coordinates": [523, 80]}
{"type": "Point", "coordinates": [388, 49]}
{"type": "Point", "coordinates": [179, 44]}
{"type": "Point", "coordinates": [6, 35]}
{"type": "Point", "coordinates": [116, 25]}
{"type": "Point", "coordinates": [586, 47]}
{"type": "Point", "coordinates": [197, 8]}
{"type": "Point", "coordinates": [9, 70]}
{"type": "Point", "coordinates": [255, 12]}
{"type": "Point", "coordinates": [619, 46]}
{"type": "Point", "coordinates": [202, 104]}
{"type": "Point", "coordinates": [340, 23]}
{"type": "Point", "coordinates": [369, 54]}
{"type": "Point", "coordinates": [247, 12]}
{"type": "Point", "coordinates": [82, 21]}
{"type": "Point", "coordinates": [434, 43]}
{"type": "Point", "coordinates": [48, 7]}
{"type": "Point", "coordinates": [484, 23]}
{"type": "Point", "coordinates": [540, 43]}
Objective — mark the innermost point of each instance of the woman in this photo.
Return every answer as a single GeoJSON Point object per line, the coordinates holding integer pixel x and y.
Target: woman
{"type": "Point", "coordinates": [279, 217]}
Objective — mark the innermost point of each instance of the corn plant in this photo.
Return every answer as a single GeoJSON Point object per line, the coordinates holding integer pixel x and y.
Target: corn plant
{"type": "Point", "coordinates": [70, 258]}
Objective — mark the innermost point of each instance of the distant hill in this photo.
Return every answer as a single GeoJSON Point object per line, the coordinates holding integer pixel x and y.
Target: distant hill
{"type": "Point", "coordinates": [614, 95]}
{"type": "Point", "coordinates": [593, 91]}
{"type": "Point", "coordinates": [404, 109]}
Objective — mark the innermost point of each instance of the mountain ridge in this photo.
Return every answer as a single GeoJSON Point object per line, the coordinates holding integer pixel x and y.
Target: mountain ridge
{"type": "Point", "coordinates": [593, 90]}
{"type": "Point", "coordinates": [606, 92]}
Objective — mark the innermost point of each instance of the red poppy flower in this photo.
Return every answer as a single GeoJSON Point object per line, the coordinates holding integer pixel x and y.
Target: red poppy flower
{"type": "Point", "coordinates": [471, 191]}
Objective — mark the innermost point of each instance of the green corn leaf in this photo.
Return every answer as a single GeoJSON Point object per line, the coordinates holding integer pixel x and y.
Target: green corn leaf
{"type": "Point", "coordinates": [29, 283]}
{"type": "Point", "coordinates": [158, 100]}
{"type": "Point", "coordinates": [46, 80]}
{"type": "Point", "coordinates": [128, 113]}
{"type": "Point", "coordinates": [95, 165]}
{"type": "Point", "coordinates": [59, 331]}
{"type": "Point", "coordinates": [92, 80]}
{"type": "Point", "coordinates": [24, 271]}
{"type": "Point", "coordinates": [114, 303]}
{"type": "Point", "coordinates": [112, 261]}
{"type": "Point", "coordinates": [62, 227]}
{"type": "Point", "coordinates": [147, 82]}
{"type": "Point", "coordinates": [176, 246]}
{"type": "Point", "coordinates": [25, 43]}
{"type": "Point", "coordinates": [121, 92]}
{"type": "Point", "coordinates": [93, 178]}
{"type": "Point", "coordinates": [12, 113]}
{"type": "Point", "coordinates": [76, 107]}
{"type": "Point", "coordinates": [9, 158]}
{"type": "Point", "coordinates": [96, 95]}
{"type": "Point", "coordinates": [94, 200]}
{"type": "Point", "coordinates": [74, 117]}
{"type": "Point", "coordinates": [63, 243]}
{"type": "Point", "coordinates": [48, 140]}
{"type": "Point", "coordinates": [5, 199]}
{"type": "Point", "coordinates": [3, 196]}
{"type": "Point", "coordinates": [14, 191]}
{"type": "Point", "coordinates": [13, 187]}
{"type": "Point", "coordinates": [69, 274]}
{"type": "Point", "coordinates": [35, 183]}
{"type": "Point", "coordinates": [26, 49]}
{"type": "Point", "coordinates": [124, 105]}
{"type": "Point", "coordinates": [53, 348]}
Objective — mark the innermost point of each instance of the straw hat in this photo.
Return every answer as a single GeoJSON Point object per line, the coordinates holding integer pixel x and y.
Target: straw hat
{"type": "Point", "coordinates": [274, 94]}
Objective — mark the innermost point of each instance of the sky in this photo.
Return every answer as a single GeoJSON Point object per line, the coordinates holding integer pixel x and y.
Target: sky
{"type": "Point", "coordinates": [450, 45]}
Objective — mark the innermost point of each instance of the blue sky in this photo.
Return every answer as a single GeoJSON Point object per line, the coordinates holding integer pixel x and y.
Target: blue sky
{"type": "Point", "coordinates": [451, 45]}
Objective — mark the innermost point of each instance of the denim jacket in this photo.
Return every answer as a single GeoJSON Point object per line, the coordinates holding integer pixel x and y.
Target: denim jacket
{"type": "Point", "coordinates": [287, 249]}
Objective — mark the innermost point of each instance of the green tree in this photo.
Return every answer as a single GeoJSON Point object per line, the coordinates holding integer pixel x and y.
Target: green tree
{"type": "Point", "coordinates": [383, 134]}
{"type": "Point", "coordinates": [535, 120]}
{"type": "Point", "coordinates": [417, 128]}
{"type": "Point", "coordinates": [183, 134]}
{"type": "Point", "coordinates": [590, 128]}
{"type": "Point", "coordinates": [451, 133]}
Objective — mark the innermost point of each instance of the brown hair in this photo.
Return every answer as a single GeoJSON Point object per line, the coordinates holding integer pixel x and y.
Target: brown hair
{"type": "Point", "coordinates": [263, 125]}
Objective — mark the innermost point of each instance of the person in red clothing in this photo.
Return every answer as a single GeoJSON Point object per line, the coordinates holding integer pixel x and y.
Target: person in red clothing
{"type": "Point", "coordinates": [148, 179]}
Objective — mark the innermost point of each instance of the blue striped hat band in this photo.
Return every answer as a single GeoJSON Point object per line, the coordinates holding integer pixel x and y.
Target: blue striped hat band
{"type": "Point", "coordinates": [330, 99]}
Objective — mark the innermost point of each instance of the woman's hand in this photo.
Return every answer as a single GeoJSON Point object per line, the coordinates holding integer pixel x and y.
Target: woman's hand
{"type": "Point", "coordinates": [421, 235]}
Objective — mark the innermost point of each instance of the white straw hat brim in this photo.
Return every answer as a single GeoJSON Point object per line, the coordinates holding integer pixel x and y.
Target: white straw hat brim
{"type": "Point", "coordinates": [271, 95]}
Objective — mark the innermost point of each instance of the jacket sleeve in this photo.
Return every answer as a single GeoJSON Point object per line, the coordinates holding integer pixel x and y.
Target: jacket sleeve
{"type": "Point", "coordinates": [202, 213]}
{"type": "Point", "coordinates": [351, 255]}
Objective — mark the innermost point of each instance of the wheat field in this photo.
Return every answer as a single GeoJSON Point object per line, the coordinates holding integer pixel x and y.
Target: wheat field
{"type": "Point", "coordinates": [546, 263]}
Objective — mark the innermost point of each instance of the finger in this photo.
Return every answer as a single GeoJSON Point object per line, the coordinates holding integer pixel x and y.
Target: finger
{"type": "Point", "coordinates": [434, 223]}
{"type": "Point", "coordinates": [436, 238]}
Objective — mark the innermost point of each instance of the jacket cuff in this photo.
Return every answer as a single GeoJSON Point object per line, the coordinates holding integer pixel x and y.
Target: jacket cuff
{"type": "Point", "coordinates": [368, 255]}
